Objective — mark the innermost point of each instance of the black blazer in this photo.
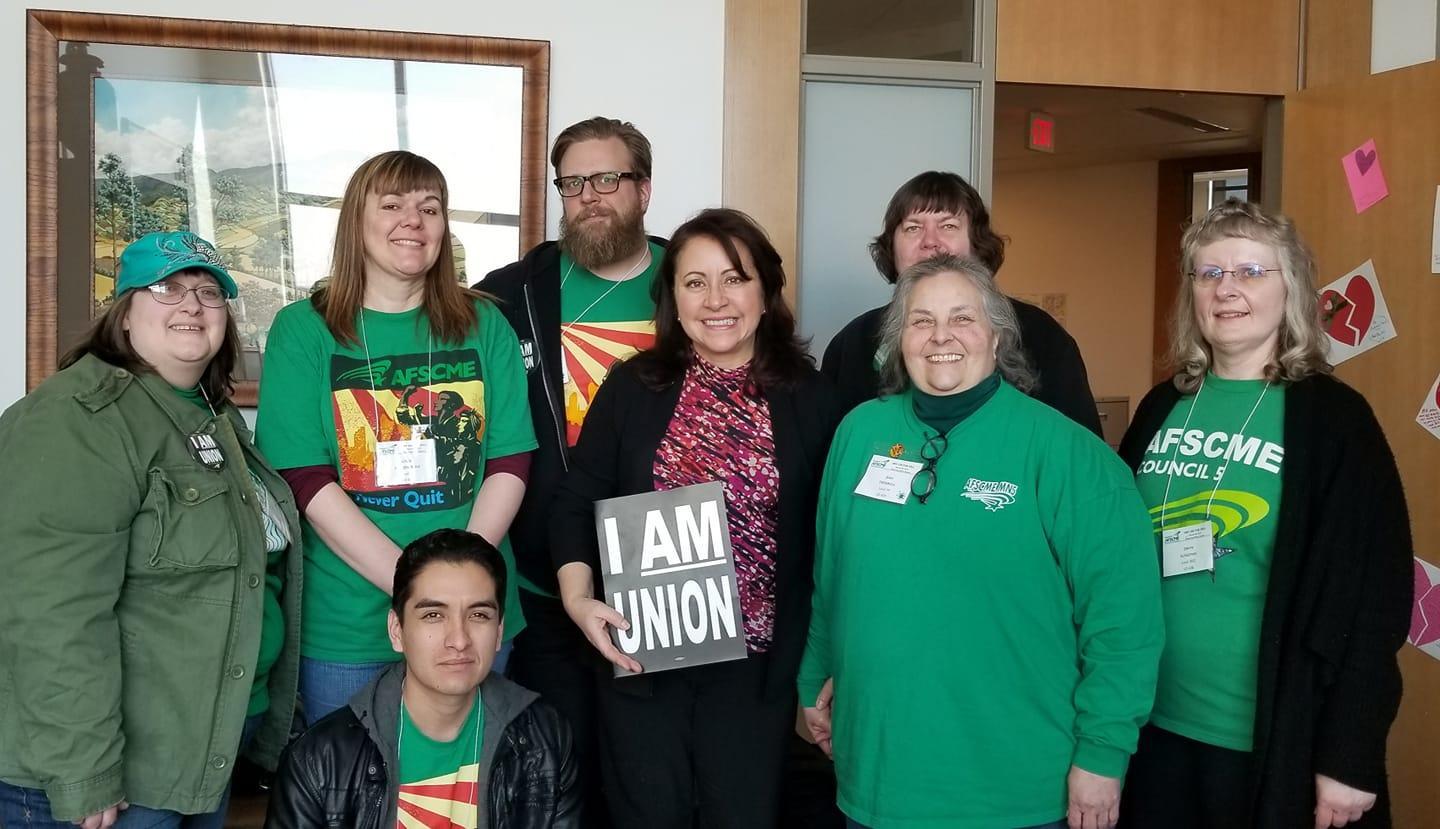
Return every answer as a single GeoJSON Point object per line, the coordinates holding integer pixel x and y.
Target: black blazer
{"type": "Point", "coordinates": [1337, 608]}
{"type": "Point", "coordinates": [615, 456]}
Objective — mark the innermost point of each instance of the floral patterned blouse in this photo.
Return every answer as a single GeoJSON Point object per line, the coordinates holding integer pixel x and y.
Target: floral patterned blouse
{"type": "Point", "coordinates": [721, 431]}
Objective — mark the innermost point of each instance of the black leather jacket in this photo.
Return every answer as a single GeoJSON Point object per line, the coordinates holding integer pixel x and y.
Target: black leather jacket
{"type": "Point", "coordinates": [339, 772]}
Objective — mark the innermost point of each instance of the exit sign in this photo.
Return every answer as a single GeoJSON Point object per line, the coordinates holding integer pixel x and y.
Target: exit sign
{"type": "Point", "coordinates": [1042, 132]}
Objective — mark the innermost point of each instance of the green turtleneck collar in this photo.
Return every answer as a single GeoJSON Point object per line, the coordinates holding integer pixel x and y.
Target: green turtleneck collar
{"type": "Point", "coordinates": [193, 396]}
{"type": "Point", "coordinates": [945, 412]}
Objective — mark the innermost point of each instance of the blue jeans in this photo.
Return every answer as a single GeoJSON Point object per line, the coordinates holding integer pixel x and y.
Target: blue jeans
{"type": "Point", "coordinates": [328, 686]}
{"type": "Point", "coordinates": [30, 808]}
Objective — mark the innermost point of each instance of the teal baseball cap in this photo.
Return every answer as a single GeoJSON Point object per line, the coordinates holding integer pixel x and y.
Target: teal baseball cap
{"type": "Point", "coordinates": [154, 256]}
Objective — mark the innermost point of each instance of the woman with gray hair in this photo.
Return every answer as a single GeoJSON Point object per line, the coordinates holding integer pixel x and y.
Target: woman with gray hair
{"type": "Point", "coordinates": [986, 620]}
{"type": "Point", "coordinates": [1285, 549]}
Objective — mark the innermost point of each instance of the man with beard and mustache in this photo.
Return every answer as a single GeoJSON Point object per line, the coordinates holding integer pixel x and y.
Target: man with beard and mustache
{"type": "Point", "coordinates": [579, 306]}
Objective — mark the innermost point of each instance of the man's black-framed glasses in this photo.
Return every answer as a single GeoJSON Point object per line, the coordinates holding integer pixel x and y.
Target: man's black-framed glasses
{"type": "Point", "coordinates": [923, 484]}
{"type": "Point", "coordinates": [602, 183]}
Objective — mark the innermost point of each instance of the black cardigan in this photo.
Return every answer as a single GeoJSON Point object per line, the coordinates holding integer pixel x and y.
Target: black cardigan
{"type": "Point", "coordinates": [615, 456]}
{"type": "Point", "coordinates": [1338, 604]}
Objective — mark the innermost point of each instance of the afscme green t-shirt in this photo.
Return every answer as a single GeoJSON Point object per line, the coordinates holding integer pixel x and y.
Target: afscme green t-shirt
{"type": "Point", "coordinates": [440, 782]}
{"type": "Point", "coordinates": [601, 323]}
{"type": "Point", "coordinates": [1208, 672]}
{"type": "Point", "coordinates": [324, 403]}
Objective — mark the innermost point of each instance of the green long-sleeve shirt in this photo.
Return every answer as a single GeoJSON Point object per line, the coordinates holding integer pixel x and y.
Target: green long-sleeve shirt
{"type": "Point", "coordinates": [985, 641]}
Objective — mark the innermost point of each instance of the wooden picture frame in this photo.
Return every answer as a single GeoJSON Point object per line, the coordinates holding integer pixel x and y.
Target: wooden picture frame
{"type": "Point", "coordinates": [46, 203]}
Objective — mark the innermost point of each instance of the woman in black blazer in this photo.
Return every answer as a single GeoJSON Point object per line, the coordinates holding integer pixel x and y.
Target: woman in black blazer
{"type": "Point", "coordinates": [728, 393]}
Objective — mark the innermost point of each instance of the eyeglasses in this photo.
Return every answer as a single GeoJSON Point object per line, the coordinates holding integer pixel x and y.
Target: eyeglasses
{"type": "Point", "coordinates": [923, 484]}
{"type": "Point", "coordinates": [168, 292]}
{"type": "Point", "coordinates": [1244, 273]}
{"type": "Point", "coordinates": [602, 183]}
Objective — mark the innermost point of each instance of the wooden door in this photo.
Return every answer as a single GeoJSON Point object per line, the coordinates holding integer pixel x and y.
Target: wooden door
{"type": "Point", "coordinates": [1343, 107]}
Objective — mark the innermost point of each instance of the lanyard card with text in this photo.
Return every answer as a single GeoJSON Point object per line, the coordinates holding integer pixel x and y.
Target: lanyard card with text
{"type": "Point", "coordinates": [888, 479]}
{"type": "Point", "coordinates": [1187, 550]}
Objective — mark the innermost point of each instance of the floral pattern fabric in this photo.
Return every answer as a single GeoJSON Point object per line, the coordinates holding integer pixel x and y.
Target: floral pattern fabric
{"type": "Point", "coordinates": [721, 431]}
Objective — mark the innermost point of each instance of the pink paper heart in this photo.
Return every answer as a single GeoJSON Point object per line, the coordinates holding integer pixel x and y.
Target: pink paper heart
{"type": "Point", "coordinates": [1364, 161]}
{"type": "Point", "coordinates": [1425, 617]}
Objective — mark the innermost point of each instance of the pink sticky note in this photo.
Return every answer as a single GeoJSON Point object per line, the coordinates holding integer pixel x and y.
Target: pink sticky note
{"type": "Point", "coordinates": [1367, 180]}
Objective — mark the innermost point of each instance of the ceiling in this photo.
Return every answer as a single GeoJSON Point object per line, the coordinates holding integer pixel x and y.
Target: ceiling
{"type": "Point", "coordinates": [1097, 125]}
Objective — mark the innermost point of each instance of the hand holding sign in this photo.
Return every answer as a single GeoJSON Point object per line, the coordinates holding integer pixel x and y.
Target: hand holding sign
{"type": "Point", "coordinates": [667, 566]}
{"type": "Point", "coordinates": [593, 618]}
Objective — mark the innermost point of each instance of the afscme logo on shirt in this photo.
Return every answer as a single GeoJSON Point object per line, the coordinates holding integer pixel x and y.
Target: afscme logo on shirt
{"type": "Point", "coordinates": [995, 495]}
{"type": "Point", "coordinates": [1197, 443]}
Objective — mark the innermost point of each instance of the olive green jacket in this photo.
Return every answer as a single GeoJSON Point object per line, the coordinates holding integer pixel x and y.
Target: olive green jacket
{"type": "Point", "coordinates": [132, 581]}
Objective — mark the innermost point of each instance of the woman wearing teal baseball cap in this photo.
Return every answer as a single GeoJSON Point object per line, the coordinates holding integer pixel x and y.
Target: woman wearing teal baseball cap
{"type": "Point", "coordinates": [151, 597]}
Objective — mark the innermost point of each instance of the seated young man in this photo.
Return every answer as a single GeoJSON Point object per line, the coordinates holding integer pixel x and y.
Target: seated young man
{"type": "Point", "coordinates": [436, 739]}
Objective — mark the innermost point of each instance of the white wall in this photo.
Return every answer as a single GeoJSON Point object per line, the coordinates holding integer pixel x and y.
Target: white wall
{"type": "Point", "coordinates": [659, 64]}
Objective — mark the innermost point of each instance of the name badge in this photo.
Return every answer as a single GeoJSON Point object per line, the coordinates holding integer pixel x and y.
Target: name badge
{"type": "Point", "coordinates": [888, 479]}
{"type": "Point", "coordinates": [406, 462]}
{"type": "Point", "coordinates": [1187, 550]}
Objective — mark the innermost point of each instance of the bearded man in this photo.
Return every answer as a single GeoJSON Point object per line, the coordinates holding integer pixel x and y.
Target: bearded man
{"type": "Point", "coordinates": [579, 306]}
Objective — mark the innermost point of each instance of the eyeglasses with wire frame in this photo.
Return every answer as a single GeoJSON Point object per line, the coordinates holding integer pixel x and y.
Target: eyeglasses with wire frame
{"type": "Point", "coordinates": [170, 292]}
{"type": "Point", "coordinates": [923, 484]}
{"type": "Point", "coordinates": [1249, 272]}
{"type": "Point", "coordinates": [602, 183]}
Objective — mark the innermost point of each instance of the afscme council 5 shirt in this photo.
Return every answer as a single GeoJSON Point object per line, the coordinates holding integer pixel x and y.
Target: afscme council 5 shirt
{"type": "Point", "coordinates": [1224, 472]}
{"type": "Point", "coordinates": [325, 403]}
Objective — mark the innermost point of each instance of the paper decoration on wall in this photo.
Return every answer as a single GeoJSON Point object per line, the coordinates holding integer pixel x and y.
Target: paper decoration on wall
{"type": "Point", "coordinates": [1402, 33]}
{"type": "Point", "coordinates": [1429, 417]}
{"type": "Point", "coordinates": [1425, 616]}
{"type": "Point", "coordinates": [1366, 179]}
{"type": "Point", "coordinates": [1053, 304]}
{"type": "Point", "coordinates": [1354, 314]}
{"type": "Point", "coordinates": [1435, 237]}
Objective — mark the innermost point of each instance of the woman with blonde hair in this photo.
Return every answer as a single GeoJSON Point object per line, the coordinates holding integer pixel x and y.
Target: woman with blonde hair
{"type": "Point", "coordinates": [1285, 549]}
{"type": "Point", "coordinates": [393, 401]}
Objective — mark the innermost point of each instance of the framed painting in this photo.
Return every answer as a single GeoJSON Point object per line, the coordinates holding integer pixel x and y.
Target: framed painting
{"type": "Point", "coordinates": [246, 134]}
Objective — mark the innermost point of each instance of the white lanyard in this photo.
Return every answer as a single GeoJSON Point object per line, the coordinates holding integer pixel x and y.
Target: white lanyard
{"type": "Point", "coordinates": [1170, 471]}
{"type": "Point", "coordinates": [206, 398]}
{"type": "Point", "coordinates": [608, 291]}
{"type": "Point", "coordinates": [375, 394]}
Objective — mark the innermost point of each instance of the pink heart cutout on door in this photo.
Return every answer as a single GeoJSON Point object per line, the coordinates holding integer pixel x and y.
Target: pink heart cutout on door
{"type": "Point", "coordinates": [1425, 617]}
{"type": "Point", "coordinates": [1364, 161]}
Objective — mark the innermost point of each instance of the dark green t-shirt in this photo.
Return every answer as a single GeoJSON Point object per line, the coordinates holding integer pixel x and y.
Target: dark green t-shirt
{"type": "Point", "coordinates": [1212, 620]}
{"type": "Point", "coordinates": [272, 630]}
{"type": "Point", "coordinates": [601, 323]}
{"type": "Point", "coordinates": [324, 403]}
{"type": "Point", "coordinates": [439, 782]}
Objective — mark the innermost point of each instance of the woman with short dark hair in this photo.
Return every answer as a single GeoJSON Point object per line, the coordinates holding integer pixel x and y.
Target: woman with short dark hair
{"type": "Point", "coordinates": [727, 394]}
{"type": "Point", "coordinates": [938, 214]}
